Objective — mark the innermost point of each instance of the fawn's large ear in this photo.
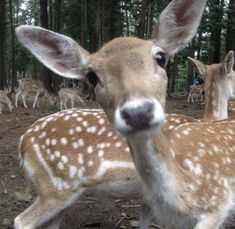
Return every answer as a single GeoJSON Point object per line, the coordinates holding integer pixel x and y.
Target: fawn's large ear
{"type": "Point", "coordinates": [178, 24]}
{"type": "Point", "coordinates": [59, 53]}
{"type": "Point", "coordinates": [199, 66]}
{"type": "Point", "coordinates": [228, 62]}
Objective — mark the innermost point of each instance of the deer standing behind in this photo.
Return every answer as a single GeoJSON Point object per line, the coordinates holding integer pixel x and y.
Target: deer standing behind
{"type": "Point", "coordinates": [219, 87]}
{"type": "Point", "coordinates": [189, 171]}
{"type": "Point", "coordinates": [5, 100]}
{"type": "Point", "coordinates": [71, 94]}
{"type": "Point", "coordinates": [196, 93]}
{"type": "Point", "coordinates": [28, 86]}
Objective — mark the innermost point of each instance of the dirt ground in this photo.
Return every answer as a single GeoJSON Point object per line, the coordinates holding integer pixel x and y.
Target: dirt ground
{"type": "Point", "coordinates": [91, 211]}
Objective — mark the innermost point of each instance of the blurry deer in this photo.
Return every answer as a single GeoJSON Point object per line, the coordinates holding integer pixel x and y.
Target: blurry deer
{"type": "Point", "coordinates": [5, 100]}
{"type": "Point", "coordinates": [219, 87]}
{"type": "Point", "coordinates": [196, 93]}
{"type": "Point", "coordinates": [71, 94]}
{"type": "Point", "coordinates": [27, 86]}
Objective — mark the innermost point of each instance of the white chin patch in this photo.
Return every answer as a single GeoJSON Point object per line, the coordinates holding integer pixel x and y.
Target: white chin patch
{"type": "Point", "coordinates": [120, 124]}
{"type": "Point", "coordinates": [158, 118]}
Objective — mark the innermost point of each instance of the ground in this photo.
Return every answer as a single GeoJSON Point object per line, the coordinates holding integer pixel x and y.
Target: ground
{"type": "Point", "coordinates": [92, 211]}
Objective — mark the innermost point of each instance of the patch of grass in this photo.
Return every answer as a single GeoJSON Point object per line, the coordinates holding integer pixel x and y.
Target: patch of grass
{"type": "Point", "coordinates": [43, 103]}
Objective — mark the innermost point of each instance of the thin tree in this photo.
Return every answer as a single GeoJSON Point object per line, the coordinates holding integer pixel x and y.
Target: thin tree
{"type": "Point", "coordinates": [230, 38]}
{"type": "Point", "coordinates": [45, 74]}
{"type": "Point", "coordinates": [142, 20]}
{"type": "Point", "coordinates": [2, 43]}
{"type": "Point", "coordinates": [13, 48]}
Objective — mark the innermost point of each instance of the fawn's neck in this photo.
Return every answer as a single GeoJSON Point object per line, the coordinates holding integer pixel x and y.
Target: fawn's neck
{"type": "Point", "coordinates": [156, 166]}
{"type": "Point", "coordinates": [216, 107]}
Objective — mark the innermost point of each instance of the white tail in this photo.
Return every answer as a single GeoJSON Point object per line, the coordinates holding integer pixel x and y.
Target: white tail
{"type": "Point", "coordinates": [5, 100]}
{"type": "Point", "coordinates": [129, 81]}
{"type": "Point", "coordinates": [27, 86]}
{"type": "Point", "coordinates": [71, 94]}
{"type": "Point", "coordinates": [219, 86]}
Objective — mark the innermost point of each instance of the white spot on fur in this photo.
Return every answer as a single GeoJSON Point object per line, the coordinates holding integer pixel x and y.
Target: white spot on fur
{"type": "Point", "coordinates": [110, 134]}
{"type": "Point", "coordinates": [89, 149]}
{"type": "Point", "coordinates": [72, 171]}
{"type": "Point", "coordinates": [53, 142]}
{"type": "Point", "coordinates": [52, 157]}
{"type": "Point", "coordinates": [71, 131]}
{"type": "Point", "coordinates": [91, 129]}
{"type": "Point", "coordinates": [85, 123]}
{"type": "Point", "coordinates": [101, 121]}
{"type": "Point", "coordinates": [78, 129]}
{"type": "Point", "coordinates": [36, 129]}
{"type": "Point", "coordinates": [64, 141]}
{"type": "Point", "coordinates": [90, 163]}
{"type": "Point", "coordinates": [118, 144]}
{"type": "Point", "coordinates": [80, 158]}
{"type": "Point", "coordinates": [57, 153]}
{"type": "Point", "coordinates": [60, 165]}
{"type": "Point", "coordinates": [42, 135]}
{"type": "Point", "coordinates": [195, 168]}
{"type": "Point", "coordinates": [100, 153]}
{"type": "Point", "coordinates": [64, 159]}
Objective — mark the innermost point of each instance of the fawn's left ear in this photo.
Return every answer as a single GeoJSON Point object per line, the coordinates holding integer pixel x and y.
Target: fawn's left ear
{"type": "Point", "coordinates": [199, 66]}
{"type": "Point", "coordinates": [178, 24]}
{"type": "Point", "coordinates": [228, 62]}
{"type": "Point", "coordinates": [59, 53]}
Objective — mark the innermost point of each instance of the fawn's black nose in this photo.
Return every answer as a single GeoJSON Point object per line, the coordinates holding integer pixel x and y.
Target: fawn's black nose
{"type": "Point", "coordinates": [138, 117]}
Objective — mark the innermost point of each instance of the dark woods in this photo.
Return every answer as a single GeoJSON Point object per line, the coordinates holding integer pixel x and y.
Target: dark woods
{"type": "Point", "coordinates": [93, 22]}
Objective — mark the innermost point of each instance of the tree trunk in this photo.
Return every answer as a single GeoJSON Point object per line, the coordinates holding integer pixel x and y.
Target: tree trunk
{"type": "Point", "coordinates": [150, 20]}
{"type": "Point", "coordinates": [142, 21]}
{"type": "Point", "coordinates": [174, 75]}
{"type": "Point", "coordinates": [83, 24]}
{"type": "Point", "coordinates": [216, 30]}
{"type": "Point", "coordinates": [2, 43]}
{"type": "Point", "coordinates": [199, 43]}
{"type": "Point", "coordinates": [13, 50]}
{"type": "Point", "coordinates": [50, 9]}
{"type": "Point", "coordinates": [230, 38]}
{"type": "Point", "coordinates": [127, 19]}
{"type": "Point", "coordinates": [190, 67]}
{"type": "Point", "coordinates": [115, 29]}
{"type": "Point", "coordinates": [55, 79]}
{"type": "Point", "coordinates": [45, 74]}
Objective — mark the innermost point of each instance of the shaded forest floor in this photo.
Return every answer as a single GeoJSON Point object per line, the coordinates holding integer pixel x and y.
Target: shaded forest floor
{"type": "Point", "coordinates": [91, 211]}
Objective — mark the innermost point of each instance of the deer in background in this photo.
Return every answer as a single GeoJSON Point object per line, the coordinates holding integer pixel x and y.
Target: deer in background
{"type": "Point", "coordinates": [190, 171]}
{"type": "Point", "coordinates": [71, 94]}
{"type": "Point", "coordinates": [219, 87]}
{"type": "Point", "coordinates": [27, 86]}
{"type": "Point", "coordinates": [5, 100]}
{"type": "Point", "coordinates": [196, 91]}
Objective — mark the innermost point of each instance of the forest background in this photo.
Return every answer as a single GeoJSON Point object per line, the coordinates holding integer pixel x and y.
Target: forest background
{"type": "Point", "coordinates": [94, 22]}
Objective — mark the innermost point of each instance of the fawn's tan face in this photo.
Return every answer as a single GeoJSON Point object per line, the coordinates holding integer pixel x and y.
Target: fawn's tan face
{"type": "Point", "coordinates": [127, 73]}
{"type": "Point", "coordinates": [131, 84]}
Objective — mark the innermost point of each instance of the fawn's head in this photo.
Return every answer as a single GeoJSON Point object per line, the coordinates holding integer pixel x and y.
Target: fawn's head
{"type": "Point", "coordinates": [128, 74]}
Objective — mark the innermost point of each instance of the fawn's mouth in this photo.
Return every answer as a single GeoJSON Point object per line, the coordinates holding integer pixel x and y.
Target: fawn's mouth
{"type": "Point", "coordinates": [139, 116]}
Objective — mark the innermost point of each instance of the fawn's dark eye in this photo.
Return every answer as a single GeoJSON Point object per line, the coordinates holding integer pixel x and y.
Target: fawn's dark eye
{"type": "Point", "coordinates": [160, 57]}
{"type": "Point", "coordinates": [92, 78]}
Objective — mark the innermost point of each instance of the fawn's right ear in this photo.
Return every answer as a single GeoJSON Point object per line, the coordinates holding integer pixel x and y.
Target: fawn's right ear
{"type": "Point", "coordinates": [59, 53]}
{"type": "Point", "coordinates": [177, 24]}
{"type": "Point", "coordinates": [199, 66]}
